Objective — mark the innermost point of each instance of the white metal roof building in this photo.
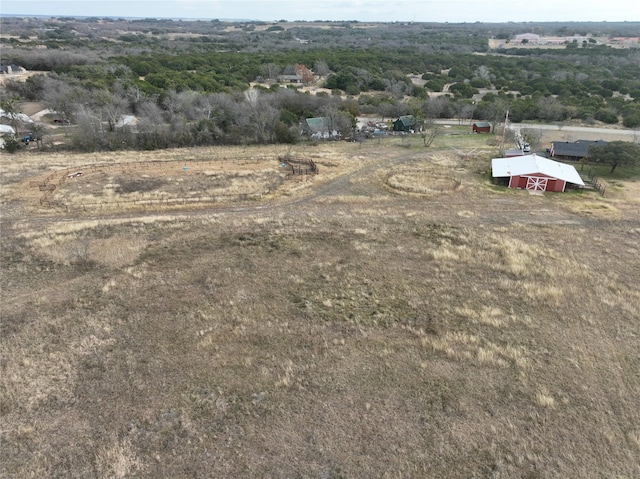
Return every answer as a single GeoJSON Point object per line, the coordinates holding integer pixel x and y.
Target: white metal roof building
{"type": "Point", "coordinates": [533, 172]}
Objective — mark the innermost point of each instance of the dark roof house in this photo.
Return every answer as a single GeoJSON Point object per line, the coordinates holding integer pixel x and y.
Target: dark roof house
{"type": "Point", "coordinates": [289, 78]}
{"type": "Point", "coordinates": [575, 151]}
{"type": "Point", "coordinates": [405, 123]}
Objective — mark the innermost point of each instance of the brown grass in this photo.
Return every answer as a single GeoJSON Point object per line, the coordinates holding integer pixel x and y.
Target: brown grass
{"type": "Point", "coordinates": [334, 329]}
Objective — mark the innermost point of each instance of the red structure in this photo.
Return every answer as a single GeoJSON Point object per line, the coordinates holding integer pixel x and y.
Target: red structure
{"type": "Point", "coordinates": [535, 173]}
{"type": "Point", "coordinates": [481, 127]}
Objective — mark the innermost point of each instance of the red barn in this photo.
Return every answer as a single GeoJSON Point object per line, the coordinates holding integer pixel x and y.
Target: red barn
{"type": "Point", "coordinates": [535, 173]}
{"type": "Point", "coordinates": [481, 127]}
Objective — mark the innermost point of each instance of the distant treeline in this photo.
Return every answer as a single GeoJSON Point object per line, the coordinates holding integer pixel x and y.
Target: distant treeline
{"type": "Point", "coordinates": [195, 87]}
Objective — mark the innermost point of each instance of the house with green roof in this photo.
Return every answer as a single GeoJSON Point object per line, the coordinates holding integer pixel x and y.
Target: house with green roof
{"type": "Point", "coordinates": [406, 123]}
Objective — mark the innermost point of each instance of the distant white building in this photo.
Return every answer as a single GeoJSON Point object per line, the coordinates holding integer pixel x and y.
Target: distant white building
{"type": "Point", "coordinates": [529, 37]}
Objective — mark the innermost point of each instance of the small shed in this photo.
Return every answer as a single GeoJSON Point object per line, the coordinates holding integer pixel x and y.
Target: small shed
{"type": "Point", "coordinates": [405, 123]}
{"type": "Point", "coordinates": [481, 127]}
{"type": "Point", "coordinates": [535, 173]}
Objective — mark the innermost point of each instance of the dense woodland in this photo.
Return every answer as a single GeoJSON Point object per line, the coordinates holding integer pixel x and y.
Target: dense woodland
{"type": "Point", "coordinates": [193, 82]}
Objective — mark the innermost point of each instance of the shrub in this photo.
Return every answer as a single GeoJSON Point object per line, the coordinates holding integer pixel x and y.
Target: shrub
{"type": "Point", "coordinates": [11, 145]}
{"type": "Point", "coordinates": [607, 116]}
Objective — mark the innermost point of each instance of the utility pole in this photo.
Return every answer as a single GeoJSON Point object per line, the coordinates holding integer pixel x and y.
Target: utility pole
{"type": "Point", "coordinates": [504, 134]}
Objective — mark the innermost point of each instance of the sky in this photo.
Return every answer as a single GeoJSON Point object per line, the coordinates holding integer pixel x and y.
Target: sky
{"type": "Point", "coordinates": [452, 11]}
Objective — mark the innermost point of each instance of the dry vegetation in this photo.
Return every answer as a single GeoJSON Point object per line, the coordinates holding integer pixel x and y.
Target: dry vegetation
{"type": "Point", "coordinates": [339, 327]}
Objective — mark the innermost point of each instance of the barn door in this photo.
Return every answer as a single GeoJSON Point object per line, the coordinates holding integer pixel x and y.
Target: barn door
{"type": "Point", "coordinates": [535, 183]}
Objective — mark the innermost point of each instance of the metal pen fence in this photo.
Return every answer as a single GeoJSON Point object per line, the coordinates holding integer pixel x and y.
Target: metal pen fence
{"type": "Point", "coordinates": [299, 166]}
{"type": "Point", "coordinates": [596, 183]}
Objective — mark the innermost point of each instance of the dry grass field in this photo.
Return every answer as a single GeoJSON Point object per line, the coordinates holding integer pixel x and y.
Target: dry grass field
{"type": "Point", "coordinates": [376, 320]}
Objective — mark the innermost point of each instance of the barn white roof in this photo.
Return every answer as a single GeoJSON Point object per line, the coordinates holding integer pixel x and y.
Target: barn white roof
{"type": "Point", "coordinates": [532, 164]}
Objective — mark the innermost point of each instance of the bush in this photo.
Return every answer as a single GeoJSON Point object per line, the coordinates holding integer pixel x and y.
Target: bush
{"type": "Point", "coordinates": [463, 90]}
{"type": "Point", "coordinates": [479, 83]}
{"type": "Point", "coordinates": [434, 85]}
{"type": "Point", "coordinates": [631, 116]}
{"type": "Point", "coordinates": [607, 116]}
{"type": "Point", "coordinates": [631, 120]}
{"type": "Point", "coordinates": [11, 145]}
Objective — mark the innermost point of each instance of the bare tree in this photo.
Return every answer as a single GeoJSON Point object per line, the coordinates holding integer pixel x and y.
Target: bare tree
{"type": "Point", "coordinates": [532, 136]}
{"type": "Point", "coordinates": [338, 121]}
{"type": "Point", "coordinates": [464, 111]}
{"type": "Point", "coordinates": [433, 108]}
{"type": "Point", "coordinates": [113, 108]}
{"type": "Point", "coordinates": [261, 116]}
{"type": "Point", "coordinates": [90, 133]}
{"type": "Point", "coordinates": [483, 73]}
{"type": "Point", "coordinates": [496, 112]}
{"type": "Point", "coordinates": [38, 132]}
{"type": "Point", "coordinates": [270, 71]}
{"type": "Point", "coordinates": [431, 132]}
{"type": "Point", "coordinates": [206, 107]}
{"type": "Point", "coordinates": [321, 68]}
{"type": "Point", "coordinates": [61, 98]}
{"type": "Point", "coordinates": [550, 108]}
{"type": "Point", "coordinates": [152, 130]}
{"type": "Point", "coordinates": [252, 95]}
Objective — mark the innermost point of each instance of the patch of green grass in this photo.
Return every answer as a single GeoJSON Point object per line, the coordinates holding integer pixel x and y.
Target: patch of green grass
{"type": "Point", "coordinates": [604, 171]}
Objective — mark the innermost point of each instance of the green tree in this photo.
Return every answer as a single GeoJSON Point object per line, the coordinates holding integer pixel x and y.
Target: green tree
{"type": "Point", "coordinates": [607, 115]}
{"type": "Point", "coordinates": [434, 85]}
{"type": "Point", "coordinates": [463, 90]}
{"type": "Point", "coordinates": [616, 153]}
{"type": "Point", "coordinates": [631, 116]}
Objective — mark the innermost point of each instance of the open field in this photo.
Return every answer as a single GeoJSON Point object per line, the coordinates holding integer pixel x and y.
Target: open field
{"type": "Point", "coordinates": [395, 315]}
